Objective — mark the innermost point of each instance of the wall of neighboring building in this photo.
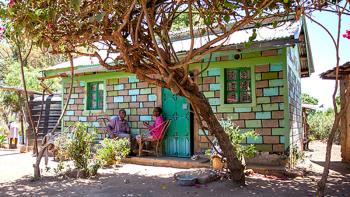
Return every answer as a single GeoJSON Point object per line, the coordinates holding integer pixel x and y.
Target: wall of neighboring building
{"type": "Point", "coordinates": [345, 122]}
{"type": "Point", "coordinates": [267, 113]}
{"type": "Point", "coordinates": [294, 98]}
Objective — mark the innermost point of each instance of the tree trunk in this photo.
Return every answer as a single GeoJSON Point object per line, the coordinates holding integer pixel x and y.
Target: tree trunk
{"type": "Point", "coordinates": [36, 166]}
{"type": "Point", "coordinates": [321, 185]}
{"type": "Point", "coordinates": [199, 102]}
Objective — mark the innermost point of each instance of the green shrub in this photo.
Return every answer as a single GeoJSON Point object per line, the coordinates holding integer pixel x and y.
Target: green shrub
{"type": "Point", "coordinates": [2, 140]}
{"type": "Point", "coordinates": [321, 123]}
{"type": "Point", "coordinates": [79, 149]}
{"type": "Point", "coordinates": [238, 136]}
{"type": "Point", "coordinates": [111, 150]}
{"type": "Point", "coordinates": [61, 146]}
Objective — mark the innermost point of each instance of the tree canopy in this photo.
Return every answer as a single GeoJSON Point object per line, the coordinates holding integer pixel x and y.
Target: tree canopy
{"type": "Point", "coordinates": [140, 35]}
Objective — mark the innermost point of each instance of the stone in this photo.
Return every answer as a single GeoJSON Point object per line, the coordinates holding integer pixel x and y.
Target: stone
{"type": "Point", "coordinates": [241, 109]}
{"type": "Point", "coordinates": [260, 100]}
{"type": "Point", "coordinates": [214, 101]}
{"type": "Point", "coordinates": [134, 92]}
{"type": "Point", "coordinates": [119, 87]}
{"type": "Point", "coordinates": [208, 94]}
{"type": "Point", "coordinates": [262, 68]}
{"type": "Point", "coordinates": [253, 123]}
{"type": "Point", "coordinates": [118, 99]}
{"type": "Point", "coordinates": [255, 140]}
{"type": "Point", "coordinates": [276, 82]}
{"type": "Point", "coordinates": [263, 115]}
{"type": "Point", "coordinates": [271, 140]}
{"type": "Point", "coordinates": [247, 115]}
{"type": "Point", "coordinates": [209, 80]}
{"type": "Point", "coordinates": [152, 97]}
{"type": "Point", "coordinates": [269, 75]}
{"type": "Point", "coordinates": [215, 86]}
{"type": "Point", "coordinates": [146, 91]}
{"type": "Point", "coordinates": [276, 67]}
{"type": "Point", "coordinates": [262, 84]}
{"type": "Point", "coordinates": [214, 72]}
{"type": "Point", "coordinates": [270, 123]}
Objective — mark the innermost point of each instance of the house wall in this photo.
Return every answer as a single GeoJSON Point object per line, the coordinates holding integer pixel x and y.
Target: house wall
{"type": "Point", "coordinates": [124, 92]}
{"type": "Point", "coordinates": [266, 114]}
{"type": "Point", "coordinates": [345, 122]}
{"type": "Point", "coordinates": [294, 98]}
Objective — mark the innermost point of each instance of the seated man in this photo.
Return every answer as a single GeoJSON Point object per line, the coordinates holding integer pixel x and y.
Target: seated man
{"type": "Point", "coordinates": [155, 129]}
{"type": "Point", "coordinates": [119, 126]}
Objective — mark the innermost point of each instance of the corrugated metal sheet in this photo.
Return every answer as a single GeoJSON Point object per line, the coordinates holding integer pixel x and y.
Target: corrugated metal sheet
{"type": "Point", "coordinates": [267, 33]}
{"type": "Point", "coordinates": [289, 29]}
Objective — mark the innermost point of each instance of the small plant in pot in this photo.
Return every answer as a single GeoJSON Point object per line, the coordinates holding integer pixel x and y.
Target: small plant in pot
{"type": "Point", "coordinates": [237, 138]}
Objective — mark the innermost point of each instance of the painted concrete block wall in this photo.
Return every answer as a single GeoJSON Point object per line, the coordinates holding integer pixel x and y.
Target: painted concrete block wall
{"type": "Point", "coordinates": [137, 98]}
{"type": "Point", "coordinates": [266, 116]}
{"type": "Point", "coordinates": [294, 98]}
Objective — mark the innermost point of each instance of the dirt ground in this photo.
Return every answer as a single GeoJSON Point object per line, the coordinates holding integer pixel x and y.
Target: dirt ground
{"type": "Point", "coordinates": [134, 180]}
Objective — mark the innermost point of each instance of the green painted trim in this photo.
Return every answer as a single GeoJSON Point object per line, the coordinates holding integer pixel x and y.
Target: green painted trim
{"type": "Point", "coordinates": [67, 69]}
{"type": "Point", "coordinates": [89, 94]}
{"type": "Point", "coordinates": [286, 100]}
{"type": "Point", "coordinates": [223, 105]}
{"type": "Point", "coordinates": [86, 110]}
{"type": "Point", "coordinates": [308, 47]}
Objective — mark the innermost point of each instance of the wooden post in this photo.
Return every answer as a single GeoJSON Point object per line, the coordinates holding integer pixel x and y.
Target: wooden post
{"type": "Point", "coordinates": [22, 127]}
{"type": "Point", "coordinates": [345, 121]}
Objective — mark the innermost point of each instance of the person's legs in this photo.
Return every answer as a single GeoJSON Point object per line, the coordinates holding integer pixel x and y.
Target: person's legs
{"type": "Point", "coordinates": [10, 143]}
{"type": "Point", "coordinates": [16, 141]}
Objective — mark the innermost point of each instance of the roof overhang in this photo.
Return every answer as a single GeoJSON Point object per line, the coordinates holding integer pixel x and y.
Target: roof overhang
{"type": "Point", "coordinates": [342, 72]}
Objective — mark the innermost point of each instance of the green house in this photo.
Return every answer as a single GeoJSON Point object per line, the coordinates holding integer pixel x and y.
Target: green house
{"type": "Point", "coordinates": [256, 85]}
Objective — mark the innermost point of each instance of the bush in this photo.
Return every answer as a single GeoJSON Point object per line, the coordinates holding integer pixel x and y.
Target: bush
{"type": "Point", "coordinates": [237, 136]}
{"type": "Point", "coordinates": [61, 146]}
{"type": "Point", "coordinates": [321, 123]}
{"type": "Point", "coordinates": [2, 140]}
{"type": "Point", "coordinates": [111, 150]}
{"type": "Point", "coordinates": [79, 149]}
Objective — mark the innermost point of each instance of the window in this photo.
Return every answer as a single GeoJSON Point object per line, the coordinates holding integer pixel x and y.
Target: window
{"type": "Point", "coordinates": [238, 85]}
{"type": "Point", "coordinates": [95, 91]}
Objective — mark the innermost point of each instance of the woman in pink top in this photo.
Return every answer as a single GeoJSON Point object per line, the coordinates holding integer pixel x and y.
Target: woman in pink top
{"type": "Point", "coordinates": [156, 128]}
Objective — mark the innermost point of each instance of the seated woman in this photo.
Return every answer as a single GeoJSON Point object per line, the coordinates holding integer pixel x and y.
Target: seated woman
{"type": "Point", "coordinates": [155, 129]}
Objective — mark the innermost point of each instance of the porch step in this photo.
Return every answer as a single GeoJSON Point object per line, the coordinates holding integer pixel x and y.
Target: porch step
{"type": "Point", "coordinates": [173, 162]}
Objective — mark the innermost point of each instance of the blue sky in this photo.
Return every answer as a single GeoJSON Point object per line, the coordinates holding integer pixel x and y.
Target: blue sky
{"type": "Point", "coordinates": [323, 53]}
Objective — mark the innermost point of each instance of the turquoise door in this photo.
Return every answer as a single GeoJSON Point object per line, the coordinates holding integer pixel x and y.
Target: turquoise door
{"type": "Point", "coordinates": [177, 141]}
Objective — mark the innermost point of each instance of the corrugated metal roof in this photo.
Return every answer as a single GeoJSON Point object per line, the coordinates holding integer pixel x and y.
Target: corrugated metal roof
{"type": "Point", "coordinates": [343, 70]}
{"type": "Point", "coordinates": [80, 61]}
{"type": "Point", "coordinates": [289, 29]}
{"type": "Point", "coordinates": [267, 33]}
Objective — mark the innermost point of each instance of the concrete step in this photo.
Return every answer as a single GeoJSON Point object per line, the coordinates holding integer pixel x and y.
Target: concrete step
{"type": "Point", "coordinates": [168, 162]}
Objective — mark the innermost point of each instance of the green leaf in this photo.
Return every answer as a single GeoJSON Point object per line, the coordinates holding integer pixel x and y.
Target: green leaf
{"type": "Point", "coordinates": [227, 18]}
{"type": "Point", "coordinates": [75, 4]}
{"type": "Point", "coordinates": [274, 24]}
{"type": "Point", "coordinates": [100, 16]}
{"type": "Point", "coordinates": [207, 21]}
{"type": "Point", "coordinates": [286, 1]}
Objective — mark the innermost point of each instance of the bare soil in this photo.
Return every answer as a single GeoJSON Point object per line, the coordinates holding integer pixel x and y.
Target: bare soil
{"type": "Point", "coordinates": [136, 180]}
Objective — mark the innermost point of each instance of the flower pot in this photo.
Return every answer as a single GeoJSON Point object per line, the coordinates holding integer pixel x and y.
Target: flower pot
{"type": "Point", "coordinates": [217, 163]}
{"type": "Point", "coordinates": [22, 148]}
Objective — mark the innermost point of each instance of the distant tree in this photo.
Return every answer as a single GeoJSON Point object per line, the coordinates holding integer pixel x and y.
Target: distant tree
{"type": "Point", "coordinates": [306, 98]}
